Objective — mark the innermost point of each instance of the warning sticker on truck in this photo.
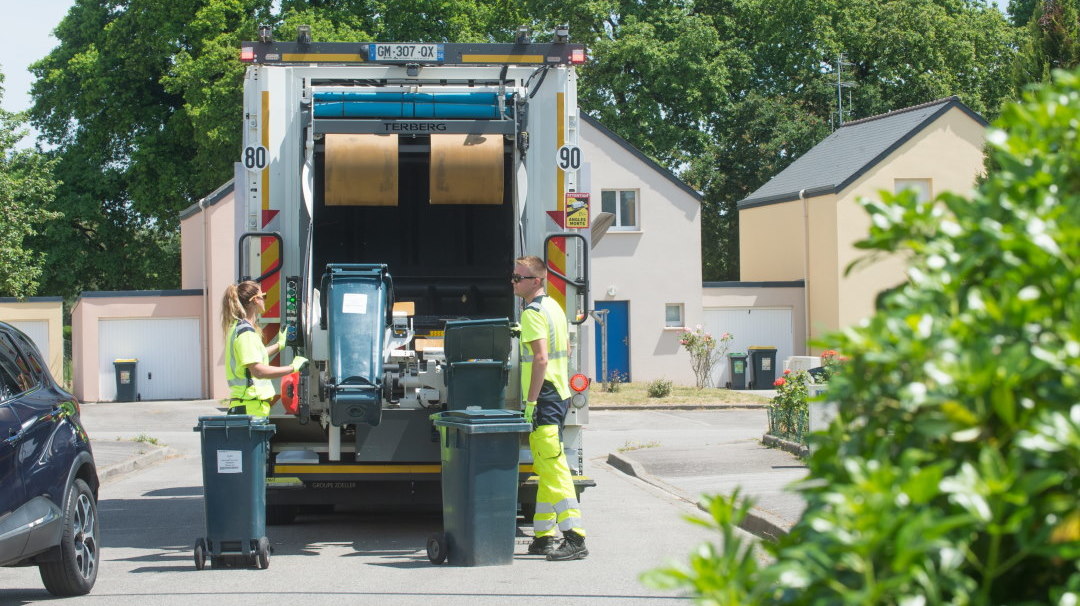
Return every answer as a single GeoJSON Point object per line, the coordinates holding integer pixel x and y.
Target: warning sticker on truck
{"type": "Point", "coordinates": [577, 210]}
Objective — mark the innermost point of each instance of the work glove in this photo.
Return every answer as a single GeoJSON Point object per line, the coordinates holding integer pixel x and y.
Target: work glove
{"type": "Point", "coordinates": [281, 340]}
{"type": "Point", "coordinates": [298, 363]}
{"type": "Point", "coordinates": [530, 409]}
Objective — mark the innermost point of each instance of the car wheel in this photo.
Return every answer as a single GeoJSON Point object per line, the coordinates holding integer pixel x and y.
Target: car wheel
{"type": "Point", "coordinates": [76, 570]}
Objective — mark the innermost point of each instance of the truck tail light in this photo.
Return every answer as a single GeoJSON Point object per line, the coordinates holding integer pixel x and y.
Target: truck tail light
{"type": "Point", "coordinates": [579, 382]}
{"type": "Point", "coordinates": [247, 54]}
{"type": "Point", "coordinates": [577, 56]}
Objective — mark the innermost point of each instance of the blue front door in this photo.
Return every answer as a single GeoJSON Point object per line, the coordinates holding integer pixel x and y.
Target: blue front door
{"type": "Point", "coordinates": [618, 340]}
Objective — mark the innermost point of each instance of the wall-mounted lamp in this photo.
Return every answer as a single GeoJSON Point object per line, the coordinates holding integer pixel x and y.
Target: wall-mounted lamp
{"type": "Point", "coordinates": [612, 291]}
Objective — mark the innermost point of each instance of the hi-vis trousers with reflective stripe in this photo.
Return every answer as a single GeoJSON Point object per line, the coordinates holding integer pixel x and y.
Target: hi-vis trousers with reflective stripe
{"type": "Point", "coordinates": [556, 500]}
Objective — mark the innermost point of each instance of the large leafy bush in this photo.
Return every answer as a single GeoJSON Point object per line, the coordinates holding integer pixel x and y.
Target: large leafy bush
{"type": "Point", "coordinates": [951, 474]}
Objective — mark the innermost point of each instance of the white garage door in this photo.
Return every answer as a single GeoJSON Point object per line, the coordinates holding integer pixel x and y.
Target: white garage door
{"type": "Point", "coordinates": [768, 327]}
{"type": "Point", "coordinates": [38, 331]}
{"type": "Point", "coordinates": [169, 352]}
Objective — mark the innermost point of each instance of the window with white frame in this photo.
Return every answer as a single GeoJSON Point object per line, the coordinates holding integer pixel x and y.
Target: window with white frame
{"type": "Point", "coordinates": [673, 315]}
{"type": "Point", "coordinates": [623, 203]}
{"type": "Point", "coordinates": [921, 187]}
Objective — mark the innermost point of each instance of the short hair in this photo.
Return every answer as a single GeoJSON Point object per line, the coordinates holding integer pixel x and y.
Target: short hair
{"type": "Point", "coordinates": [535, 264]}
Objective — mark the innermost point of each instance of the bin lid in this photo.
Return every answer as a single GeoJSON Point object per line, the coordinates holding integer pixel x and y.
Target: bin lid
{"type": "Point", "coordinates": [483, 420]}
{"type": "Point", "coordinates": [762, 347]}
{"type": "Point", "coordinates": [736, 354]}
{"type": "Point", "coordinates": [235, 421]}
{"type": "Point", "coordinates": [125, 360]}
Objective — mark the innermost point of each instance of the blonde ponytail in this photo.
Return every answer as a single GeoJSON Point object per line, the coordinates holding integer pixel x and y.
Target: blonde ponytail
{"type": "Point", "coordinates": [235, 303]}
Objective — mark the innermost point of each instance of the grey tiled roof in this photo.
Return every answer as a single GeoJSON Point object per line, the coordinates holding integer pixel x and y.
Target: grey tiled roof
{"type": "Point", "coordinates": [850, 151]}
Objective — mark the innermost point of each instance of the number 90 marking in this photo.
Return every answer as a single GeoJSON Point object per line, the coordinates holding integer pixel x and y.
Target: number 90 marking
{"type": "Point", "coordinates": [569, 157]}
{"type": "Point", "coordinates": [255, 157]}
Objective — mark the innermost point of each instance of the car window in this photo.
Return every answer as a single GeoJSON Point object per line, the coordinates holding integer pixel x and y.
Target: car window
{"type": "Point", "coordinates": [15, 375]}
{"type": "Point", "coordinates": [30, 355]}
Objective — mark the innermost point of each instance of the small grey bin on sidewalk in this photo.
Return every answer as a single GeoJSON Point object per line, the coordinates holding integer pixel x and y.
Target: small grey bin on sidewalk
{"type": "Point", "coordinates": [479, 486]}
{"type": "Point", "coordinates": [234, 487]}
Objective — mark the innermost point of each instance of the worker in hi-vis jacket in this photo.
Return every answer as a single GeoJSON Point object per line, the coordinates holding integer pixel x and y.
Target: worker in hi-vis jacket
{"type": "Point", "coordinates": [545, 387]}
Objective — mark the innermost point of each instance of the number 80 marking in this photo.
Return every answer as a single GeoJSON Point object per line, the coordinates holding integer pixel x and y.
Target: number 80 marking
{"type": "Point", "coordinates": [255, 157]}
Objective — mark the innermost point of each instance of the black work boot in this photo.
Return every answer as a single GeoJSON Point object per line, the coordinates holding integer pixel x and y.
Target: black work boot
{"type": "Point", "coordinates": [572, 548]}
{"type": "Point", "coordinates": [542, 545]}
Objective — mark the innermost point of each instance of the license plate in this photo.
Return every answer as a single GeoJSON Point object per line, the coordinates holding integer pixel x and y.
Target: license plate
{"type": "Point", "coordinates": [430, 53]}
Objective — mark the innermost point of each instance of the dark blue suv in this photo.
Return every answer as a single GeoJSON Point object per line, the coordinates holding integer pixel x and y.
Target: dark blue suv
{"type": "Point", "coordinates": [48, 481]}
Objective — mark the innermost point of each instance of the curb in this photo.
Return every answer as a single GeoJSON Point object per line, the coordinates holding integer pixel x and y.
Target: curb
{"type": "Point", "coordinates": [117, 470]}
{"type": "Point", "coordinates": [794, 448]}
{"type": "Point", "coordinates": [758, 522]}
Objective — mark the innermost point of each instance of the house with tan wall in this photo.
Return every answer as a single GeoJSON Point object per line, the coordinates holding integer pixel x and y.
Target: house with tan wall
{"type": "Point", "coordinates": [42, 319]}
{"type": "Point", "coordinates": [804, 222]}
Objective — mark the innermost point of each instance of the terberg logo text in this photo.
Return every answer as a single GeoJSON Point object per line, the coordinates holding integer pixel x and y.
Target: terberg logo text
{"type": "Point", "coordinates": [414, 126]}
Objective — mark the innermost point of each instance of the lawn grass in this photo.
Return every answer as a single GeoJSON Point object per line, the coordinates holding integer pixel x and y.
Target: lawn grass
{"type": "Point", "coordinates": [634, 394]}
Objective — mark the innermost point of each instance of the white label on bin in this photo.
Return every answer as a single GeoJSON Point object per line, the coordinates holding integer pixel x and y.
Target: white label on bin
{"type": "Point", "coordinates": [354, 303]}
{"type": "Point", "coordinates": [230, 461]}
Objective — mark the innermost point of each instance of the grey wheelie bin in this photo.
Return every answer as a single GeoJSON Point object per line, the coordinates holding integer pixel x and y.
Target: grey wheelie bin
{"type": "Point", "coordinates": [763, 361]}
{"type": "Point", "coordinates": [479, 486]}
{"type": "Point", "coordinates": [234, 487]}
{"type": "Point", "coordinates": [738, 370]}
{"type": "Point", "coordinates": [477, 354]}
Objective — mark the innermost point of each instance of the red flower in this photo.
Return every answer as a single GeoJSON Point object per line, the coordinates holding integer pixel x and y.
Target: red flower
{"type": "Point", "coordinates": [787, 372]}
{"type": "Point", "coordinates": [779, 382]}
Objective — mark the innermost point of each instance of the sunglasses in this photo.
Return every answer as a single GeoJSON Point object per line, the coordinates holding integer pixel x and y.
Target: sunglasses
{"type": "Point", "coordinates": [261, 295]}
{"type": "Point", "coordinates": [515, 278]}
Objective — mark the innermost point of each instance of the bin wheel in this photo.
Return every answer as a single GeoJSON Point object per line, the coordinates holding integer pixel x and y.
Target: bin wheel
{"type": "Point", "coordinates": [263, 554]}
{"type": "Point", "coordinates": [436, 548]}
{"type": "Point", "coordinates": [200, 554]}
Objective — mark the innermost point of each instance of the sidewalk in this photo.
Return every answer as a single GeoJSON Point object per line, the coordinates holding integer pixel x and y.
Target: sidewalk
{"type": "Point", "coordinates": [760, 473]}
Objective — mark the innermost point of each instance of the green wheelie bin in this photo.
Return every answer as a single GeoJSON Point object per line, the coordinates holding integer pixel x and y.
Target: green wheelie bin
{"type": "Point", "coordinates": [234, 491]}
{"type": "Point", "coordinates": [479, 486]}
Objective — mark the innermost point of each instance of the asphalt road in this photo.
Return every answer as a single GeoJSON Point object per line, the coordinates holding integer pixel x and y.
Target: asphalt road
{"type": "Point", "coordinates": [151, 517]}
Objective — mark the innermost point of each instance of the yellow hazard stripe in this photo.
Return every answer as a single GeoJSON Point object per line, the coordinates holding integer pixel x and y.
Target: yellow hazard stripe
{"type": "Point", "coordinates": [556, 257]}
{"type": "Point", "coordinates": [316, 57]}
{"type": "Point", "coordinates": [502, 58]}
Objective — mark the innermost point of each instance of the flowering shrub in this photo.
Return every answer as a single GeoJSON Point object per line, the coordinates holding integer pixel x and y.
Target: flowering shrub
{"type": "Point", "coordinates": [831, 361]}
{"type": "Point", "coordinates": [705, 350]}
{"type": "Point", "coordinates": [788, 415]}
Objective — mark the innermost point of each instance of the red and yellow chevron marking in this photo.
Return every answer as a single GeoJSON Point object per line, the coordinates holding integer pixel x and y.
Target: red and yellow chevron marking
{"type": "Point", "coordinates": [269, 249]}
{"type": "Point", "coordinates": [556, 251]}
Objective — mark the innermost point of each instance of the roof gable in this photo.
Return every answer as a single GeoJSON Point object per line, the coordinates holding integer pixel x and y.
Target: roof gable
{"type": "Point", "coordinates": [850, 151]}
{"type": "Point", "coordinates": [640, 156]}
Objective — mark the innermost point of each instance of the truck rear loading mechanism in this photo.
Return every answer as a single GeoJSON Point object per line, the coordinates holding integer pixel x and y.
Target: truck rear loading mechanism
{"type": "Point", "coordinates": [385, 191]}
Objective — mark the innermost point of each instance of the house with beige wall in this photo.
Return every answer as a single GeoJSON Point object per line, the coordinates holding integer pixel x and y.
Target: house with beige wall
{"type": "Point", "coordinates": [804, 222]}
{"type": "Point", "coordinates": [42, 319]}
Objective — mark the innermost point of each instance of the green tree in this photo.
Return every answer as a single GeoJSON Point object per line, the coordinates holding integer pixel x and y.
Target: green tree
{"type": "Point", "coordinates": [950, 475]}
{"type": "Point", "coordinates": [135, 141]}
{"type": "Point", "coordinates": [1052, 42]}
{"type": "Point", "coordinates": [26, 191]}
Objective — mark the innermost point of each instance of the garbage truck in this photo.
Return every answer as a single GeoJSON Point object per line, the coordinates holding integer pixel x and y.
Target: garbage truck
{"type": "Point", "coordinates": [384, 191]}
